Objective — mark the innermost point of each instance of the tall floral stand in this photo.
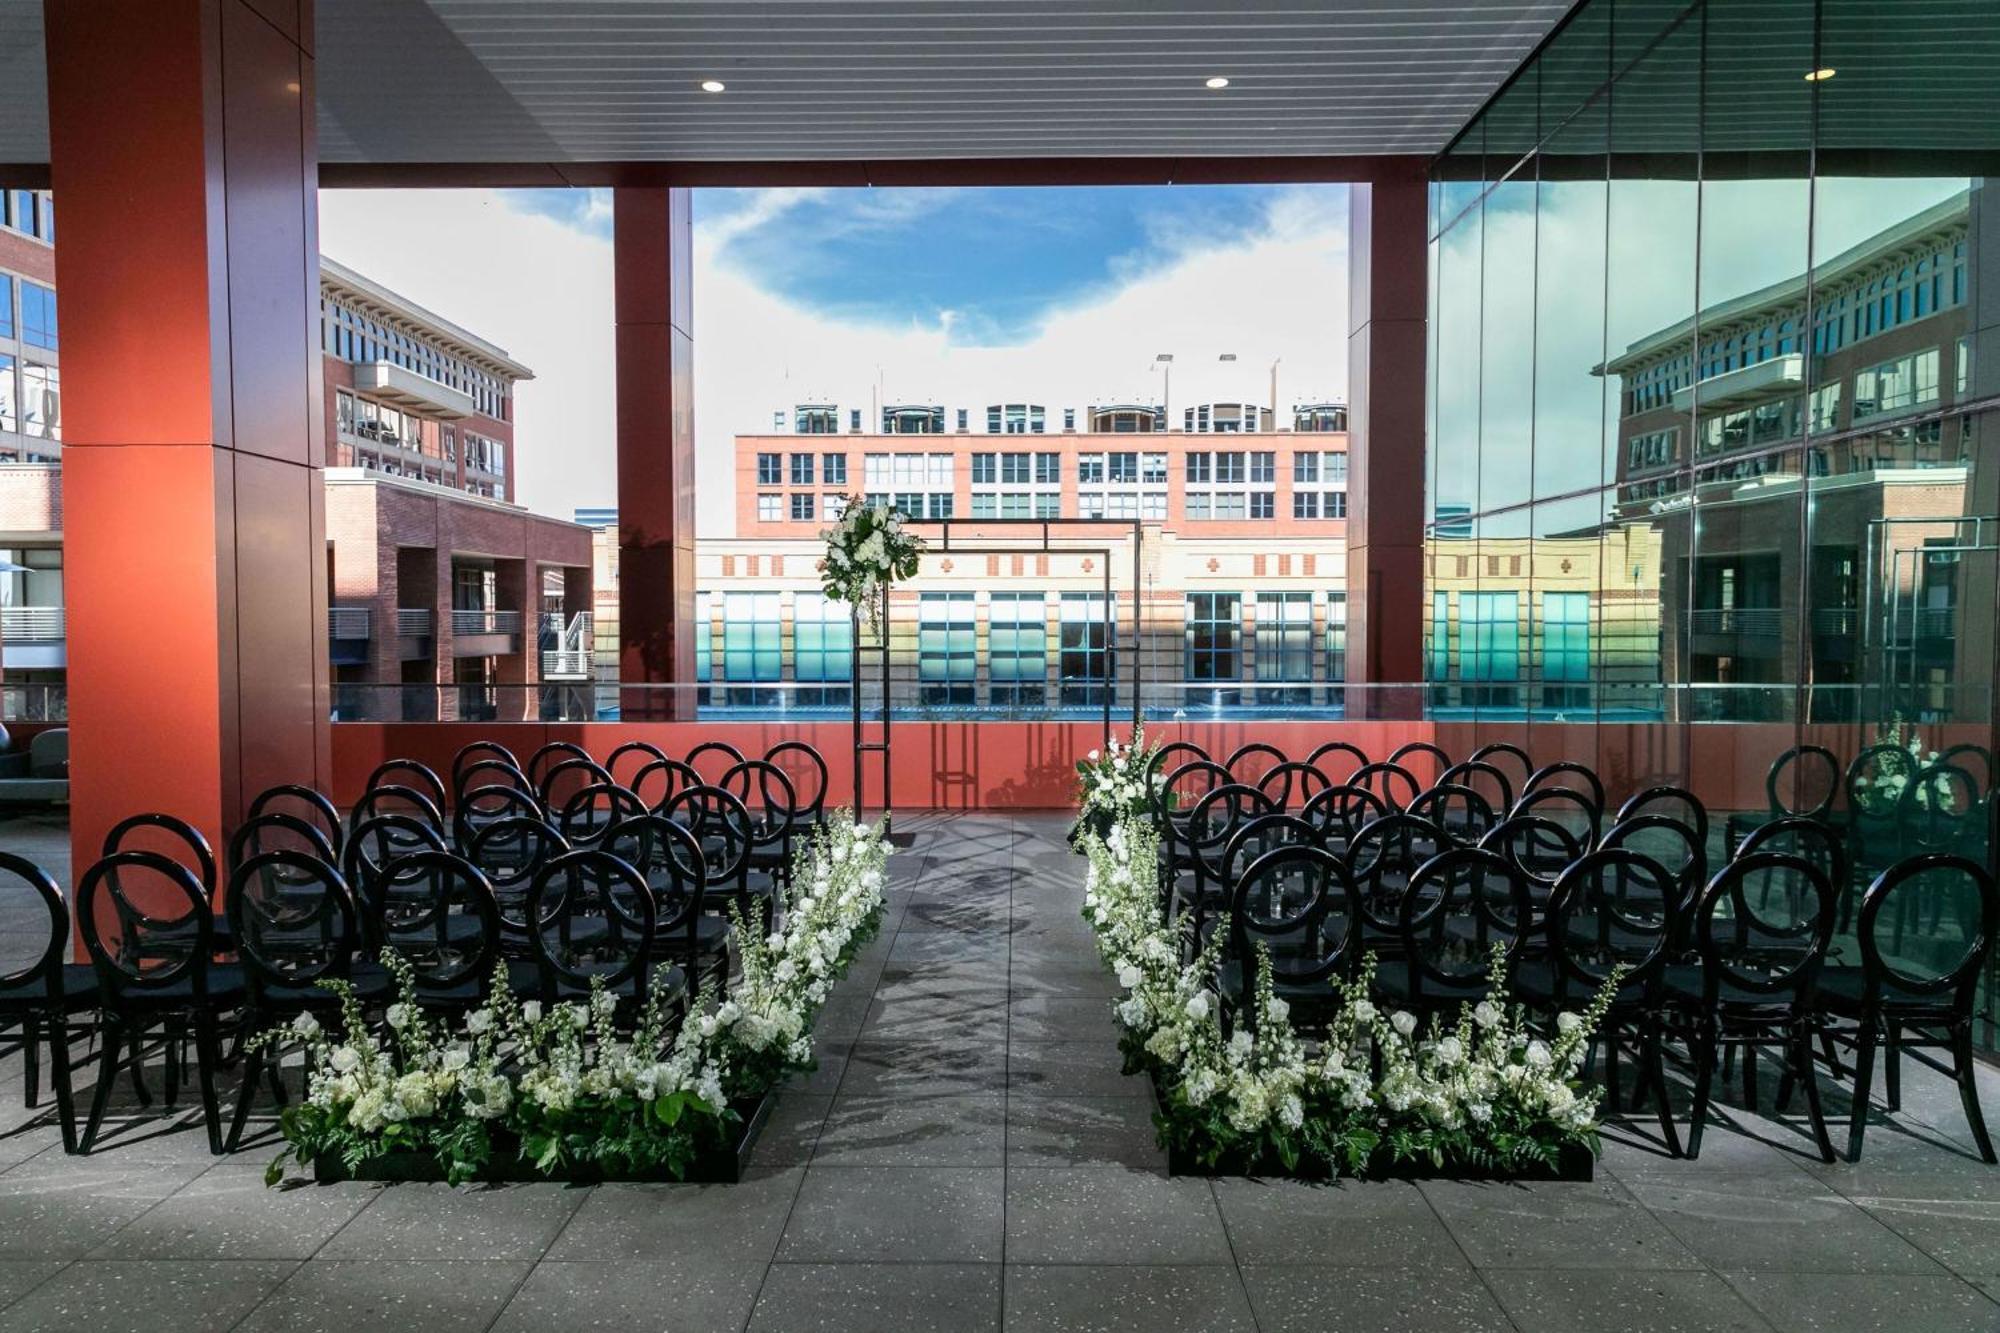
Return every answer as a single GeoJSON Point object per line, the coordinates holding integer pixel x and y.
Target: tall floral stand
{"type": "Point", "coordinates": [871, 640]}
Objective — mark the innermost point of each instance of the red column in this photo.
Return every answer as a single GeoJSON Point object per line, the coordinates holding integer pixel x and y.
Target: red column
{"type": "Point", "coordinates": [1387, 294]}
{"type": "Point", "coordinates": [183, 150]}
{"type": "Point", "coordinates": [651, 247]}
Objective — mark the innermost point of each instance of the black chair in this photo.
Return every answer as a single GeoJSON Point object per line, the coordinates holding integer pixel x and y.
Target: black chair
{"type": "Point", "coordinates": [1674, 847]}
{"type": "Point", "coordinates": [1612, 908]}
{"type": "Point", "coordinates": [1462, 813]}
{"type": "Point", "coordinates": [294, 924]}
{"type": "Point", "coordinates": [660, 781]}
{"type": "Point", "coordinates": [805, 769]}
{"type": "Point", "coordinates": [1260, 834]}
{"type": "Point", "coordinates": [1917, 999]}
{"type": "Point", "coordinates": [1324, 758]}
{"type": "Point", "coordinates": [670, 860]}
{"type": "Point", "coordinates": [772, 803]}
{"type": "Point", "coordinates": [1539, 847]}
{"type": "Point", "coordinates": [483, 773]}
{"type": "Point", "coordinates": [1340, 812]}
{"type": "Point", "coordinates": [1801, 783]}
{"type": "Point", "coordinates": [495, 803]}
{"type": "Point", "coordinates": [373, 846]}
{"type": "Point", "coordinates": [1810, 840]}
{"type": "Point", "coordinates": [1382, 859]}
{"type": "Point", "coordinates": [408, 773]}
{"type": "Point", "coordinates": [302, 803]}
{"type": "Point", "coordinates": [1297, 903]}
{"type": "Point", "coordinates": [407, 802]}
{"type": "Point", "coordinates": [1173, 801]}
{"type": "Point", "coordinates": [1291, 784]}
{"type": "Point", "coordinates": [168, 836]}
{"type": "Point", "coordinates": [1499, 753]}
{"type": "Point", "coordinates": [1968, 756]}
{"type": "Point", "coordinates": [159, 975]}
{"type": "Point", "coordinates": [548, 756]}
{"type": "Point", "coordinates": [638, 754]}
{"type": "Point", "coordinates": [564, 779]}
{"type": "Point", "coordinates": [1210, 825]}
{"type": "Point", "coordinates": [720, 827]}
{"type": "Point", "coordinates": [480, 752]}
{"type": "Point", "coordinates": [1570, 776]}
{"type": "Point", "coordinates": [1874, 785]}
{"type": "Point", "coordinates": [438, 912]}
{"type": "Point", "coordinates": [1249, 762]}
{"type": "Point", "coordinates": [1484, 778]}
{"type": "Point", "coordinates": [1575, 810]}
{"type": "Point", "coordinates": [591, 812]}
{"type": "Point", "coordinates": [275, 831]}
{"type": "Point", "coordinates": [1458, 905]}
{"type": "Point", "coordinates": [1755, 987]}
{"type": "Point", "coordinates": [1170, 757]}
{"type": "Point", "coordinates": [1390, 783]}
{"type": "Point", "coordinates": [1403, 754]}
{"type": "Point", "coordinates": [721, 756]}
{"type": "Point", "coordinates": [41, 991]}
{"type": "Point", "coordinates": [1675, 803]}
{"type": "Point", "coordinates": [591, 920]}
{"type": "Point", "coordinates": [510, 852]}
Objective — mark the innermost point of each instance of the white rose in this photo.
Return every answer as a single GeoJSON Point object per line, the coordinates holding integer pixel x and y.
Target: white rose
{"type": "Point", "coordinates": [532, 1011]}
{"type": "Point", "coordinates": [1197, 1008]}
{"type": "Point", "coordinates": [1404, 1022]}
{"type": "Point", "coordinates": [1450, 1051]}
{"type": "Point", "coordinates": [457, 1058]}
{"type": "Point", "coordinates": [1129, 976]}
{"type": "Point", "coordinates": [1364, 1011]}
{"type": "Point", "coordinates": [479, 1021]}
{"type": "Point", "coordinates": [1567, 1022]}
{"type": "Point", "coordinates": [1486, 1013]}
{"type": "Point", "coordinates": [1538, 1055]}
{"type": "Point", "coordinates": [306, 1025]}
{"type": "Point", "coordinates": [399, 1016]}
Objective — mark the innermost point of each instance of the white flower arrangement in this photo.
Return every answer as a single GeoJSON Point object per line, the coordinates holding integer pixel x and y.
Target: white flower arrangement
{"type": "Point", "coordinates": [561, 1084]}
{"type": "Point", "coordinates": [1117, 782]}
{"type": "Point", "coordinates": [1485, 1091]}
{"type": "Point", "coordinates": [868, 550]}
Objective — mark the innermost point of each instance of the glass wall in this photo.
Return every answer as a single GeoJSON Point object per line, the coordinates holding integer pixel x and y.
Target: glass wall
{"type": "Point", "coordinates": [1715, 385]}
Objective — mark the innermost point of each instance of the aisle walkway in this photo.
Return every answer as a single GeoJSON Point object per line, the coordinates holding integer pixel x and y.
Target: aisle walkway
{"type": "Point", "coordinates": [968, 1157]}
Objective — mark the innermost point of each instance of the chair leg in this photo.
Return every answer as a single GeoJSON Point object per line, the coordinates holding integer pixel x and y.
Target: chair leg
{"type": "Point", "coordinates": [1749, 1078]}
{"type": "Point", "coordinates": [1966, 1073]}
{"type": "Point", "coordinates": [113, 1042]}
{"type": "Point", "coordinates": [58, 1032]}
{"type": "Point", "coordinates": [1800, 1049]}
{"type": "Point", "coordinates": [207, 1057]}
{"type": "Point", "coordinates": [31, 1059]}
{"type": "Point", "coordinates": [1611, 1071]}
{"type": "Point", "coordinates": [1655, 1074]}
{"type": "Point", "coordinates": [1864, 1077]}
{"type": "Point", "coordinates": [1704, 1081]}
{"type": "Point", "coordinates": [1892, 1068]}
{"type": "Point", "coordinates": [246, 1093]}
{"type": "Point", "coordinates": [171, 1048]}
{"type": "Point", "coordinates": [136, 1064]}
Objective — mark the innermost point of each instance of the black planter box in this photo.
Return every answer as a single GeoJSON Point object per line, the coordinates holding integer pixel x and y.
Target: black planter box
{"type": "Point", "coordinates": [1574, 1161]}
{"type": "Point", "coordinates": [719, 1164]}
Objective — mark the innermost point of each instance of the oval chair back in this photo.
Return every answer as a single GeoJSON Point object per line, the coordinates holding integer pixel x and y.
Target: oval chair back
{"type": "Point", "coordinates": [293, 923]}
{"type": "Point", "coordinates": [438, 912]}
{"type": "Point", "coordinates": [166, 835]}
{"type": "Point", "coordinates": [1804, 782]}
{"type": "Point", "coordinates": [712, 759]}
{"type": "Point", "coordinates": [1780, 964]}
{"type": "Point", "coordinates": [1166, 759]}
{"type": "Point", "coordinates": [407, 802]}
{"type": "Point", "coordinates": [1676, 803]}
{"type": "Point", "coordinates": [1463, 814]}
{"type": "Point", "coordinates": [548, 756]}
{"type": "Point", "coordinates": [1570, 776]}
{"type": "Point", "coordinates": [669, 859]}
{"type": "Point", "coordinates": [479, 752]}
{"type": "Point", "coordinates": [1174, 801]}
{"type": "Point", "coordinates": [407, 773]}
{"type": "Point", "coordinates": [1576, 810]}
{"type": "Point", "coordinates": [1939, 811]}
{"type": "Point", "coordinates": [1261, 834]}
{"type": "Point", "coordinates": [481, 773]}
{"type": "Point", "coordinates": [1340, 812]}
{"type": "Point", "coordinates": [770, 800]}
{"type": "Point", "coordinates": [278, 832]}
{"type": "Point", "coordinates": [1291, 784]}
{"type": "Point", "coordinates": [1338, 760]}
{"type": "Point", "coordinates": [1942, 976]}
{"type": "Point", "coordinates": [1504, 755]}
{"type": "Point", "coordinates": [1539, 847]}
{"type": "Point", "coordinates": [302, 803]}
{"type": "Point", "coordinates": [1610, 908]}
{"type": "Point", "coordinates": [1214, 820]}
{"type": "Point", "coordinates": [480, 807]}
{"type": "Point", "coordinates": [1413, 754]}
{"type": "Point", "coordinates": [1484, 778]}
{"type": "Point", "coordinates": [1809, 840]}
{"type": "Point", "coordinates": [624, 763]}
{"type": "Point", "coordinates": [660, 781]}
{"type": "Point", "coordinates": [1974, 759]}
{"type": "Point", "coordinates": [1383, 858]}
{"type": "Point", "coordinates": [1298, 903]}
{"type": "Point", "coordinates": [592, 917]}
{"type": "Point", "coordinates": [565, 778]}
{"type": "Point", "coordinates": [720, 826]}
{"type": "Point", "coordinates": [31, 971]}
{"type": "Point", "coordinates": [176, 928]}
{"type": "Point", "coordinates": [1671, 845]}
{"type": "Point", "coordinates": [373, 846]}
{"type": "Point", "coordinates": [510, 852]}
{"type": "Point", "coordinates": [1248, 763]}
{"type": "Point", "coordinates": [805, 769]}
{"type": "Point", "coordinates": [592, 812]}
{"type": "Point", "coordinates": [1390, 783]}
{"type": "Point", "coordinates": [1458, 905]}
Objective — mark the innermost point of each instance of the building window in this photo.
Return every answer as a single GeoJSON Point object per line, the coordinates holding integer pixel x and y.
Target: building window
{"type": "Point", "coordinates": [1229, 469]}
{"type": "Point", "coordinates": [1333, 505]}
{"type": "Point", "coordinates": [822, 649]}
{"type": "Point", "coordinates": [1048, 469]}
{"type": "Point", "coordinates": [10, 415]}
{"type": "Point", "coordinates": [1305, 468]}
{"type": "Point", "coordinates": [1263, 504]}
{"type": "Point", "coordinates": [38, 315]}
{"type": "Point", "coordinates": [836, 508]}
{"type": "Point", "coordinates": [704, 641]}
{"type": "Point", "coordinates": [833, 469]}
{"type": "Point", "coordinates": [802, 469]}
{"type": "Point", "coordinates": [1440, 638]}
{"type": "Point", "coordinates": [940, 505]}
{"type": "Point", "coordinates": [854, 420]}
{"type": "Point", "coordinates": [1213, 633]}
{"type": "Point", "coordinates": [1017, 649]}
{"type": "Point", "coordinates": [802, 507]}
{"type": "Point", "coordinates": [962, 421]}
{"type": "Point", "coordinates": [1565, 649]}
{"type": "Point", "coordinates": [983, 469]}
{"type": "Point", "coordinates": [1200, 471]}
{"type": "Point", "coordinates": [1014, 469]}
{"type": "Point", "coordinates": [770, 508]}
{"type": "Point", "coordinates": [875, 473]}
{"type": "Point", "coordinates": [1090, 469]}
{"type": "Point", "coordinates": [1305, 504]}
{"type": "Point", "coordinates": [1048, 504]}
{"type": "Point", "coordinates": [752, 653]}
{"type": "Point", "coordinates": [1263, 468]}
{"type": "Point", "coordinates": [814, 420]}
{"type": "Point", "coordinates": [1284, 644]}
{"type": "Point", "coordinates": [770, 469]}
{"type": "Point", "coordinates": [6, 306]}
{"type": "Point", "coordinates": [947, 648]}
{"type": "Point", "coordinates": [985, 505]}
{"type": "Point", "coordinates": [1490, 657]}
{"type": "Point", "coordinates": [1893, 386]}
{"type": "Point", "coordinates": [1336, 636]}
{"type": "Point", "coordinates": [1089, 630]}
{"type": "Point", "coordinates": [41, 401]}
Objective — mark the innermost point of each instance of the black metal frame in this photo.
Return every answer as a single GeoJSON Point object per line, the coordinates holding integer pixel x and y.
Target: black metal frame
{"type": "Point", "coordinates": [864, 747]}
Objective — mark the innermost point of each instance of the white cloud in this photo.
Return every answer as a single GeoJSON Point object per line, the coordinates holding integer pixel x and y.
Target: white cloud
{"type": "Point", "coordinates": [542, 289]}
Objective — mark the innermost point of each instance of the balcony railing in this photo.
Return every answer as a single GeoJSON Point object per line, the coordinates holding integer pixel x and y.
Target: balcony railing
{"type": "Point", "coordinates": [33, 624]}
{"type": "Point", "coordinates": [1755, 621]}
{"type": "Point", "coordinates": [347, 622]}
{"type": "Point", "coordinates": [1837, 621]}
{"type": "Point", "coordinates": [485, 622]}
{"type": "Point", "coordinates": [567, 647]}
{"type": "Point", "coordinates": [413, 622]}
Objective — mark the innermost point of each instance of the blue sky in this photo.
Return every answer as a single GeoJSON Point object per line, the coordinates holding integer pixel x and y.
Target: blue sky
{"type": "Point", "coordinates": [1001, 261]}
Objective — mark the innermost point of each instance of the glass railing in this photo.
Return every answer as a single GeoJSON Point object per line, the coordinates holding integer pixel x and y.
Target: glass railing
{"type": "Point", "coordinates": [33, 702]}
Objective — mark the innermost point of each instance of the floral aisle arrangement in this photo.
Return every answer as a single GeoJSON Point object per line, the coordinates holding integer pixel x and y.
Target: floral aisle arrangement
{"type": "Point", "coordinates": [1114, 784]}
{"type": "Point", "coordinates": [517, 1087]}
{"type": "Point", "coordinates": [1887, 780]}
{"type": "Point", "coordinates": [1484, 1094]}
{"type": "Point", "coordinates": [867, 551]}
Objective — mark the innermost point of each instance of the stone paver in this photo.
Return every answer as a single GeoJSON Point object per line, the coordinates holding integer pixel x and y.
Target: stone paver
{"type": "Point", "coordinates": [968, 1157]}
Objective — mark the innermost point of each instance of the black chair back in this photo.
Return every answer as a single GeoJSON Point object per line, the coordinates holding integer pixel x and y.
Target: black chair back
{"type": "Point", "coordinates": [1484, 778]}
{"type": "Point", "coordinates": [166, 835]}
{"type": "Point", "coordinates": [292, 920]}
{"type": "Point", "coordinates": [805, 769]}
{"type": "Point", "coordinates": [1803, 781]}
{"type": "Point", "coordinates": [1339, 760]}
{"type": "Point", "coordinates": [769, 799]}
{"type": "Point", "coordinates": [565, 778]}
{"type": "Point", "coordinates": [394, 800]}
{"type": "Point", "coordinates": [147, 924]}
{"type": "Point", "coordinates": [720, 826]}
{"type": "Point", "coordinates": [1676, 803]}
{"type": "Point", "coordinates": [1340, 812]}
{"type": "Point", "coordinates": [1576, 810]}
{"type": "Point", "coordinates": [1298, 902]}
{"type": "Point", "coordinates": [1414, 754]}
{"type": "Point", "coordinates": [1942, 972]}
{"type": "Point", "coordinates": [1391, 783]}
{"type": "Point", "coordinates": [670, 860]}
{"type": "Point", "coordinates": [548, 756]}
{"type": "Point", "coordinates": [480, 752]}
{"type": "Point", "coordinates": [1610, 908]}
{"type": "Point", "coordinates": [625, 762]}
{"type": "Point", "coordinates": [1671, 845]}
{"type": "Point", "coordinates": [301, 803]}
{"type": "Point", "coordinates": [482, 773]}
{"type": "Point", "coordinates": [1260, 834]}
{"type": "Point", "coordinates": [1974, 759]}
{"type": "Point", "coordinates": [1570, 776]}
{"type": "Point", "coordinates": [510, 852]}
{"type": "Point", "coordinates": [1291, 784]}
{"type": "Point", "coordinates": [591, 812]}
{"type": "Point", "coordinates": [712, 759]}
{"type": "Point", "coordinates": [407, 773]}
{"type": "Point", "coordinates": [1249, 763]}
{"type": "Point", "coordinates": [592, 919]}
{"type": "Point", "coordinates": [1463, 814]}
{"type": "Point", "coordinates": [1539, 847]}
{"type": "Point", "coordinates": [1215, 819]}
{"type": "Point", "coordinates": [438, 912]}
{"type": "Point", "coordinates": [1383, 858]}
{"type": "Point", "coordinates": [1171, 756]}
{"type": "Point", "coordinates": [373, 846]}
{"type": "Point", "coordinates": [278, 832]}
{"type": "Point", "coordinates": [1750, 955]}
{"type": "Point", "coordinates": [1503, 755]}
{"type": "Point", "coordinates": [1459, 904]}
{"type": "Point", "coordinates": [660, 781]}
{"type": "Point", "coordinates": [481, 806]}
{"type": "Point", "coordinates": [31, 968]}
{"type": "Point", "coordinates": [1874, 784]}
{"type": "Point", "coordinates": [1939, 810]}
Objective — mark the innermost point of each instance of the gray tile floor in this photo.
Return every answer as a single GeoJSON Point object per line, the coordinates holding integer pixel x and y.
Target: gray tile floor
{"type": "Point", "coordinates": [967, 1156]}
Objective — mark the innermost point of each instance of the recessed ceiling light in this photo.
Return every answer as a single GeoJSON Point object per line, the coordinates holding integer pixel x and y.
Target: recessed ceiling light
{"type": "Point", "coordinates": [712, 85]}
{"type": "Point", "coordinates": [1217, 82]}
{"type": "Point", "coordinates": [1822, 74]}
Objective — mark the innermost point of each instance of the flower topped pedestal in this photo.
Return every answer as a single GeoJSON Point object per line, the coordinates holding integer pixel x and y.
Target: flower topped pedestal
{"type": "Point", "coordinates": [866, 552]}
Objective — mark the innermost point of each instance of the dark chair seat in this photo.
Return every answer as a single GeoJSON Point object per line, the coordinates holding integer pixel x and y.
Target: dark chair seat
{"type": "Point", "coordinates": [225, 990]}
{"type": "Point", "coordinates": [671, 981]}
